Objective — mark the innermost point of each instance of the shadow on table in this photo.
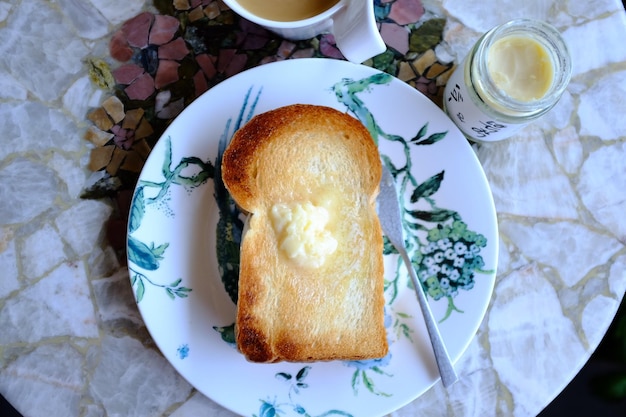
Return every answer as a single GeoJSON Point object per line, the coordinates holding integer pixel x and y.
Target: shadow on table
{"type": "Point", "coordinates": [6, 409]}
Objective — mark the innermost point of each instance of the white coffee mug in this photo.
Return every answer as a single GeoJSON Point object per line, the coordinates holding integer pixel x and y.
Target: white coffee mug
{"type": "Point", "coordinates": [352, 22]}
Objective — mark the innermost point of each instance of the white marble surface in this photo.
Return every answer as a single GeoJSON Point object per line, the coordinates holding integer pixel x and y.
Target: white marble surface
{"type": "Point", "coordinates": [72, 342]}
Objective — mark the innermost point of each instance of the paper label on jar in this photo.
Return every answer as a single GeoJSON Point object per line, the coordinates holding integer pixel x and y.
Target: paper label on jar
{"type": "Point", "coordinates": [468, 117]}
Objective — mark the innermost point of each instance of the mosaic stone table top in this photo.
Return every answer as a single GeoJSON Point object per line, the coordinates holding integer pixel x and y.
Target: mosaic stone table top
{"type": "Point", "coordinates": [86, 88]}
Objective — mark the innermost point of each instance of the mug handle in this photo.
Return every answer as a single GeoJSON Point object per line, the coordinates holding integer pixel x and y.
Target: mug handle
{"type": "Point", "coordinates": [355, 31]}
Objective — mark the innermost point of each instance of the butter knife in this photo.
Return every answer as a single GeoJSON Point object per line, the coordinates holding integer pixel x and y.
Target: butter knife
{"type": "Point", "coordinates": [391, 222]}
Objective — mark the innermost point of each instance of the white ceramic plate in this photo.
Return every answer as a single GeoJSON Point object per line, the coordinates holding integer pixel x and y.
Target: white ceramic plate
{"type": "Point", "coordinates": [183, 243]}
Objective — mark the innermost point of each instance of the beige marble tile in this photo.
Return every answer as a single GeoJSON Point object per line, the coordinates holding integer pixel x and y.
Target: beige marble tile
{"type": "Point", "coordinates": [57, 305]}
{"type": "Point", "coordinates": [45, 382]}
{"type": "Point", "coordinates": [150, 384]}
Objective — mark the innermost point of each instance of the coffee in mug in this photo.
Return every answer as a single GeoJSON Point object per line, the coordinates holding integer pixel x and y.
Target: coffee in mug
{"type": "Point", "coordinates": [287, 10]}
{"type": "Point", "coordinates": [352, 22]}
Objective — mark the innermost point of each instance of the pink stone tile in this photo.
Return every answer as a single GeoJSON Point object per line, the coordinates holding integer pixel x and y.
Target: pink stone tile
{"type": "Point", "coordinates": [328, 47]}
{"type": "Point", "coordinates": [176, 49]}
{"type": "Point", "coordinates": [119, 48]}
{"type": "Point", "coordinates": [195, 3]}
{"type": "Point", "coordinates": [422, 88]}
{"type": "Point", "coordinates": [253, 41]}
{"type": "Point", "coordinates": [404, 12]}
{"type": "Point", "coordinates": [117, 129]}
{"type": "Point", "coordinates": [137, 29]}
{"type": "Point", "coordinates": [236, 65]}
{"type": "Point", "coordinates": [304, 53]}
{"type": "Point", "coordinates": [225, 56]}
{"type": "Point", "coordinates": [200, 83]}
{"type": "Point", "coordinates": [172, 110]}
{"type": "Point", "coordinates": [249, 27]}
{"type": "Point", "coordinates": [123, 137]}
{"type": "Point", "coordinates": [396, 37]}
{"type": "Point", "coordinates": [432, 88]}
{"type": "Point", "coordinates": [285, 49]}
{"type": "Point", "coordinates": [124, 142]}
{"type": "Point", "coordinates": [163, 29]}
{"type": "Point", "coordinates": [127, 73]}
{"type": "Point", "coordinates": [166, 74]}
{"type": "Point", "coordinates": [269, 59]}
{"type": "Point", "coordinates": [206, 65]}
{"type": "Point", "coordinates": [141, 88]}
{"type": "Point", "coordinates": [240, 37]}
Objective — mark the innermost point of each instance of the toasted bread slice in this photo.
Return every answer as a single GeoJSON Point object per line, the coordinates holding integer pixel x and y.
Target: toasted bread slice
{"type": "Point", "coordinates": [311, 271]}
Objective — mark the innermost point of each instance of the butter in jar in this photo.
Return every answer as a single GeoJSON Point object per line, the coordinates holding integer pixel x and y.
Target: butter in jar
{"type": "Point", "coordinates": [514, 74]}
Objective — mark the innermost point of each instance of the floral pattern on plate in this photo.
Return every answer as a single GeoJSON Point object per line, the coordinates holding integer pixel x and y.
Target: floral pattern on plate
{"type": "Point", "coordinates": [185, 231]}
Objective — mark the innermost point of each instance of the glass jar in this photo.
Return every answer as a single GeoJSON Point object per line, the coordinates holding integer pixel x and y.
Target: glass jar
{"type": "Point", "coordinates": [514, 74]}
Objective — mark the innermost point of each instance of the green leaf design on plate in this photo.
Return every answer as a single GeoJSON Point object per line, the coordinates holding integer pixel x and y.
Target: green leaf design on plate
{"type": "Point", "coordinates": [167, 159]}
{"type": "Point", "coordinates": [230, 225]}
{"type": "Point", "coordinates": [274, 408]}
{"type": "Point", "coordinates": [303, 373]}
{"type": "Point", "coordinates": [361, 377]}
{"type": "Point", "coordinates": [227, 333]}
{"type": "Point", "coordinates": [173, 290]}
{"type": "Point", "coordinates": [190, 172]}
{"type": "Point", "coordinates": [142, 255]}
{"type": "Point", "coordinates": [435, 215]}
{"type": "Point", "coordinates": [419, 139]}
{"type": "Point", "coordinates": [137, 211]}
{"type": "Point", "coordinates": [140, 290]}
{"type": "Point", "coordinates": [283, 375]}
{"type": "Point", "coordinates": [428, 187]}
